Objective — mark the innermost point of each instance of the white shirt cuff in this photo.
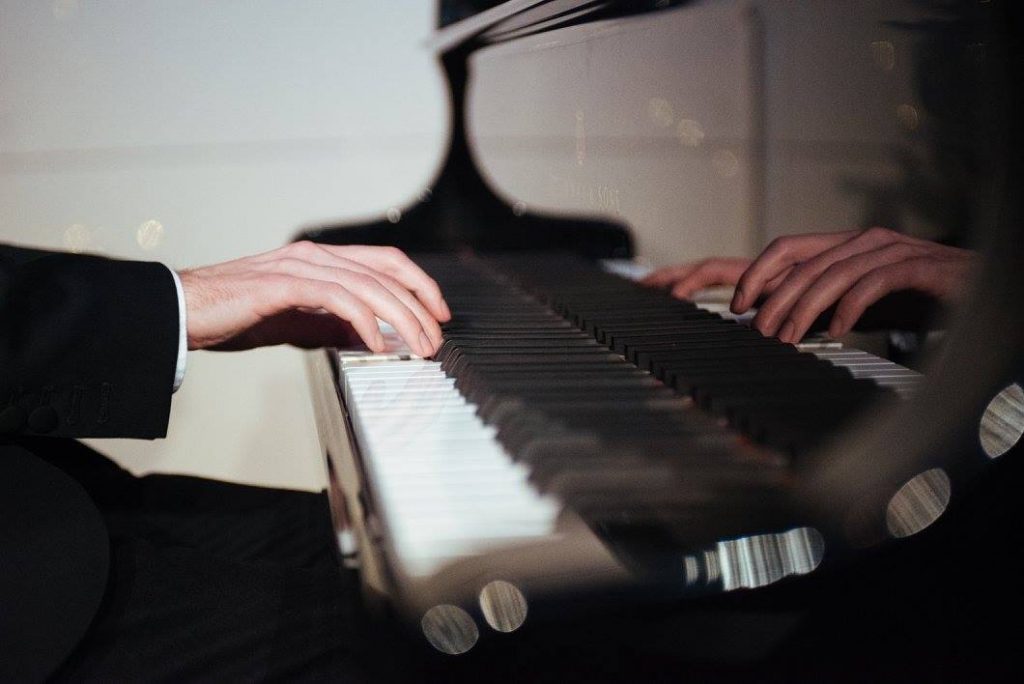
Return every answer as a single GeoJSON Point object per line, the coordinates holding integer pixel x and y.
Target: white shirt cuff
{"type": "Point", "coordinates": [179, 370]}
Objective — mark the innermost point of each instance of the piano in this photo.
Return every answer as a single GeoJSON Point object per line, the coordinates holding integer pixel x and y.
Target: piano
{"type": "Point", "coordinates": [581, 443]}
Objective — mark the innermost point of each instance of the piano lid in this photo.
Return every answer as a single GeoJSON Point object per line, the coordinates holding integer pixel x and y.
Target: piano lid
{"type": "Point", "coordinates": [465, 21]}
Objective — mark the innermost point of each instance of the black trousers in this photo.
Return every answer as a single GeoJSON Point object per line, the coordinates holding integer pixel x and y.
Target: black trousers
{"type": "Point", "coordinates": [213, 581]}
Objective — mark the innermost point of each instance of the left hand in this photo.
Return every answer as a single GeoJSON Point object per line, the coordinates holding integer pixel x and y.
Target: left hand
{"type": "Point", "coordinates": [312, 295]}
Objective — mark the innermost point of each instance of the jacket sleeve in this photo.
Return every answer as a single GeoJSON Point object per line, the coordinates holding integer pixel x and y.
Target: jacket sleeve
{"type": "Point", "coordinates": [88, 345]}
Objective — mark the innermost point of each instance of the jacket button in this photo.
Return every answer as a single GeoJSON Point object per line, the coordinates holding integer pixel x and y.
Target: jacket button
{"type": "Point", "coordinates": [43, 419]}
{"type": "Point", "coordinates": [12, 420]}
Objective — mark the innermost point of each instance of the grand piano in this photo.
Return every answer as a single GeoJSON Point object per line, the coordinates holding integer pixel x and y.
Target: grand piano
{"type": "Point", "coordinates": [595, 476]}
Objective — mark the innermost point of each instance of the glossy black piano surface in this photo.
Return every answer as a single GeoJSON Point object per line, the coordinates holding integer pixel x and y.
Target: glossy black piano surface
{"type": "Point", "coordinates": [867, 528]}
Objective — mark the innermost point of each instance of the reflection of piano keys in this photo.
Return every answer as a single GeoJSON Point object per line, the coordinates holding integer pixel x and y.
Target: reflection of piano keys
{"type": "Point", "coordinates": [533, 453]}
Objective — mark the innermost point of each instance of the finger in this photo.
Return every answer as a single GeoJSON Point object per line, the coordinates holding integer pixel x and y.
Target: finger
{"type": "Point", "coordinates": [835, 282]}
{"type": "Point", "coordinates": [904, 275]}
{"type": "Point", "coordinates": [776, 309]}
{"type": "Point", "coordinates": [426, 324]}
{"type": "Point", "coordinates": [288, 292]}
{"type": "Point", "coordinates": [427, 320]}
{"type": "Point", "coordinates": [774, 283]}
{"type": "Point", "coordinates": [399, 266]}
{"type": "Point", "coordinates": [710, 273]}
{"type": "Point", "coordinates": [389, 308]}
{"type": "Point", "coordinates": [368, 259]}
{"type": "Point", "coordinates": [781, 254]}
{"type": "Point", "coordinates": [668, 274]}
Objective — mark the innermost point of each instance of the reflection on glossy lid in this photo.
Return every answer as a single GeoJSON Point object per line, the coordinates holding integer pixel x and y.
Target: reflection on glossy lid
{"type": "Point", "coordinates": [762, 559]}
{"type": "Point", "coordinates": [1002, 424]}
{"type": "Point", "coordinates": [503, 606]}
{"type": "Point", "coordinates": [449, 629]}
{"type": "Point", "coordinates": [918, 503]}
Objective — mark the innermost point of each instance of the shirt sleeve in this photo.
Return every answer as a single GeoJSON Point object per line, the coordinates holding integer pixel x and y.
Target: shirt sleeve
{"type": "Point", "coordinates": [179, 370]}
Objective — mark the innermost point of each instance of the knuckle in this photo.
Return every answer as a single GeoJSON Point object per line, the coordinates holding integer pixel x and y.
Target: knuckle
{"type": "Point", "coordinates": [302, 247]}
{"type": "Point", "coordinates": [923, 251]}
{"type": "Point", "coordinates": [879, 234]}
{"type": "Point", "coordinates": [778, 244]}
{"type": "Point", "coordinates": [335, 291]}
{"type": "Point", "coordinates": [394, 255]}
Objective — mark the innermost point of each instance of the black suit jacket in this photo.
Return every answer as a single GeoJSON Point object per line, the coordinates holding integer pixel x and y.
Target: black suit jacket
{"type": "Point", "coordinates": [87, 349]}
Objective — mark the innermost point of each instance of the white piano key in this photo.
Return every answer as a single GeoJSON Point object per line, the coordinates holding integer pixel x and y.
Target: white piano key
{"type": "Point", "coordinates": [447, 489]}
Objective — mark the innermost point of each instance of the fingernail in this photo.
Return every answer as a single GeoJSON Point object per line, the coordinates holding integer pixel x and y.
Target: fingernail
{"type": "Point", "coordinates": [426, 346]}
{"type": "Point", "coordinates": [787, 332]}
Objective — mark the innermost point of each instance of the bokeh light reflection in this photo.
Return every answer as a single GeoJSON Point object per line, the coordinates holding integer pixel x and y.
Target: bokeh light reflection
{"type": "Point", "coordinates": [77, 238]}
{"type": "Point", "coordinates": [150, 234]}
{"type": "Point", "coordinates": [449, 629]}
{"type": "Point", "coordinates": [918, 503]}
{"type": "Point", "coordinates": [1002, 424]}
{"type": "Point", "coordinates": [503, 606]}
{"type": "Point", "coordinates": [760, 560]}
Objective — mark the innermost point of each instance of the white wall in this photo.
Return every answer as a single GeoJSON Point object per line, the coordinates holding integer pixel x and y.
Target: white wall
{"type": "Point", "coordinates": [232, 124]}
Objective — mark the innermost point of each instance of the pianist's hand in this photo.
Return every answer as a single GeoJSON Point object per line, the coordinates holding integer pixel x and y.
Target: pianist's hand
{"type": "Point", "coordinates": [312, 295]}
{"type": "Point", "coordinates": [800, 276]}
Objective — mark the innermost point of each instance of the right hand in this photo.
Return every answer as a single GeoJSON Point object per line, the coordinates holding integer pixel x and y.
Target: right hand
{"type": "Point", "coordinates": [313, 295]}
{"type": "Point", "coordinates": [797, 277]}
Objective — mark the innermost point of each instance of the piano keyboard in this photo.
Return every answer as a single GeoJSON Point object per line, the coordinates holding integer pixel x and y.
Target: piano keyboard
{"type": "Point", "coordinates": [446, 487]}
{"type": "Point", "coordinates": [559, 385]}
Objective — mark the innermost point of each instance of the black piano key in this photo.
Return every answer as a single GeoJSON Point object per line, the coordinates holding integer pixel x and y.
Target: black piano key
{"type": "Point", "coordinates": [592, 380]}
{"type": "Point", "coordinates": [656, 361]}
